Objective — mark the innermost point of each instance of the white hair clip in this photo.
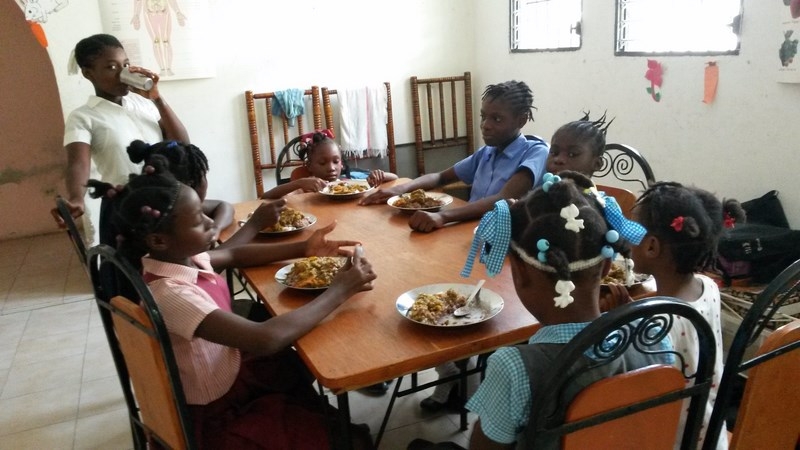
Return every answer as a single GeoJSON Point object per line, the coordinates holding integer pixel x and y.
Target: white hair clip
{"type": "Point", "coordinates": [564, 288]}
{"type": "Point", "coordinates": [570, 214]}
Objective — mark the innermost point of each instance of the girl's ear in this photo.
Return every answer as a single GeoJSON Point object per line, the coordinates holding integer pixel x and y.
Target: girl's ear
{"type": "Point", "coordinates": [87, 74]}
{"type": "Point", "coordinates": [598, 163]}
{"type": "Point", "coordinates": [157, 241]}
{"type": "Point", "coordinates": [651, 246]}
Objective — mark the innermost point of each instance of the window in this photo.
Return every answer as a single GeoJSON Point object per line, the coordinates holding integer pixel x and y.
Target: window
{"type": "Point", "coordinates": [694, 27]}
{"type": "Point", "coordinates": [545, 25]}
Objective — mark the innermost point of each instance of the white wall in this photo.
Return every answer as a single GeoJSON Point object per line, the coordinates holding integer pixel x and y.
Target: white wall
{"type": "Point", "coordinates": [268, 46]}
{"type": "Point", "coordinates": [740, 146]}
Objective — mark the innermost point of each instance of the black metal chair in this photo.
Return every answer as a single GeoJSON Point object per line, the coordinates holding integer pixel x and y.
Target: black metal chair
{"type": "Point", "coordinates": [142, 353]}
{"type": "Point", "coordinates": [609, 413]}
{"type": "Point", "coordinates": [784, 288]}
{"type": "Point", "coordinates": [625, 164]}
{"type": "Point", "coordinates": [73, 233]}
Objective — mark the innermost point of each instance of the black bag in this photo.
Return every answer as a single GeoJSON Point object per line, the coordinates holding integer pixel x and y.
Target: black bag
{"type": "Point", "coordinates": [763, 246]}
{"type": "Point", "coordinates": [769, 249]}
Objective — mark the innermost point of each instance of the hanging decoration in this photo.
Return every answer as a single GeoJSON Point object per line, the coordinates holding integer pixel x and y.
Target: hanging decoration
{"type": "Point", "coordinates": [655, 73]}
{"type": "Point", "coordinates": [710, 82]}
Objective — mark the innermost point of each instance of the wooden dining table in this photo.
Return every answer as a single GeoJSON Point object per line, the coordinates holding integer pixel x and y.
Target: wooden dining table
{"type": "Point", "coordinates": [366, 340]}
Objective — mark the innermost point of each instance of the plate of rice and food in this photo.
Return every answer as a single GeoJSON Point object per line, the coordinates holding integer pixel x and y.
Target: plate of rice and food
{"type": "Point", "coordinates": [419, 200]}
{"type": "Point", "coordinates": [346, 189]}
{"type": "Point", "coordinates": [433, 305]}
{"type": "Point", "coordinates": [290, 221]}
{"type": "Point", "coordinates": [312, 273]}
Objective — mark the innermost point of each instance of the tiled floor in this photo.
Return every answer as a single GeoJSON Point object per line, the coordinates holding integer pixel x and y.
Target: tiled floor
{"type": "Point", "coordinates": [58, 386]}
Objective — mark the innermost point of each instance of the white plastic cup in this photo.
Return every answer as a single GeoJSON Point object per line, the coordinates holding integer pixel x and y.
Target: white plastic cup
{"type": "Point", "coordinates": [135, 80]}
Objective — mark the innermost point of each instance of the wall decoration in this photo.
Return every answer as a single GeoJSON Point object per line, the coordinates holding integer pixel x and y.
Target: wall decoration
{"type": "Point", "coordinates": [36, 13]}
{"type": "Point", "coordinates": [711, 78]}
{"type": "Point", "coordinates": [171, 37]}
{"type": "Point", "coordinates": [787, 61]}
{"type": "Point", "coordinates": [655, 73]}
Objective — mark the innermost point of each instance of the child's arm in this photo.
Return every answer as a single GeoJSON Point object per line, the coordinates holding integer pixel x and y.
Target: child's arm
{"type": "Point", "coordinates": [221, 212]}
{"type": "Point", "coordinates": [309, 184]}
{"type": "Point", "coordinates": [516, 187]}
{"type": "Point", "coordinates": [259, 254]}
{"type": "Point", "coordinates": [279, 332]}
{"type": "Point", "coordinates": [267, 214]}
{"type": "Point", "coordinates": [378, 177]}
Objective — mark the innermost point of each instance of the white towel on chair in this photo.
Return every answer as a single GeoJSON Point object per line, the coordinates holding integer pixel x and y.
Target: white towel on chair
{"type": "Point", "coordinates": [362, 119]}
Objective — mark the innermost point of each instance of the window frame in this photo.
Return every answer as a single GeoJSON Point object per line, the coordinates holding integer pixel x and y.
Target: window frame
{"type": "Point", "coordinates": [512, 28]}
{"type": "Point", "coordinates": [618, 31]}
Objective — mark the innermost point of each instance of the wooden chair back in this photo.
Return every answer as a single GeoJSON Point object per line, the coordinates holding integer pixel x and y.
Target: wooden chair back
{"type": "Point", "coordinates": [142, 353]}
{"type": "Point", "coordinates": [624, 390]}
{"type": "Point", "coordinates": [625, 198]}
{"type": "Point", "coordinates": [328, 111]}
{"type": "Point", "coordinates": [771, 387]}
{"type": "Point", "coordinates": [269, 134]}
{"type": "Point", "coordinates": [625, 166]}
{"type": "Point", "coordinates": [442, 109]}
{"type": "Point", "coordinates": [612, 410]}
{"type": "Point", "coordinates": [769, 414]}
{"type": "Point", "coordinates": [73, 233]}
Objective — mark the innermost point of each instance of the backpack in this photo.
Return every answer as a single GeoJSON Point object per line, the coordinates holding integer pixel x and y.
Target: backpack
{"type": "Point", "coordinates": [765, 244]}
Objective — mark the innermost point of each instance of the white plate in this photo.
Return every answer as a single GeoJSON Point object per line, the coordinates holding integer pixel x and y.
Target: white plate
{"type": "Point", "coordinates": [326, 191]}
{"type": "Point", "coordinates": [490, 302]}
{"type": "Point", "coordinates": [283, 272]}
{"type": "Point", "coordinates": [446, 200]}
{"type": "Point", "coordinates": [312, 219]}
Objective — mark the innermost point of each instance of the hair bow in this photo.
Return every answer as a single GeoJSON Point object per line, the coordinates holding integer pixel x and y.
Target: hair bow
{"type": "Point", "coordinates": [632, 231]}
{"type": "Point", "coordinates": [492, 238]}
{"type": "Point", "coordinates": [309, 137]}
{"type": "Point", "coordinates": [677, 224]}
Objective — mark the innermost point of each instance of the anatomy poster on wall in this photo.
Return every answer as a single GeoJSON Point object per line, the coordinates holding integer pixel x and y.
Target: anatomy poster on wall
{"type": "Point", "coordinates": [169, 37]}
{"type": "Point", "coordinates": [789, 60]}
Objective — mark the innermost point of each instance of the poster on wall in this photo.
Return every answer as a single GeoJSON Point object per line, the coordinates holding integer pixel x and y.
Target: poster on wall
{"type": "Point", "coordinates": [789, 61]}
{"type": "Point", "coordinates": [169, 37]}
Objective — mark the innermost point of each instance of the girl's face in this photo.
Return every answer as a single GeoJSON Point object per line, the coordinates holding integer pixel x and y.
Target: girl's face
{"type": "Point", "coordinates": [192, 231]}
{"type": "Point", "coordinates": [104, 73]}
{"type": "Point", "coordinates": [570, 153]}
{"type": "Point", "coordinates": [499, 124]}
{"type": "Point", "coordinates": [325, 161]}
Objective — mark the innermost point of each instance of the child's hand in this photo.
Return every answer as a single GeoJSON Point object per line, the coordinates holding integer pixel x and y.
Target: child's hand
{"type": "Point", "coordinates": [376, 177]}
{"type": "Point", "coordinates": [425, 221]}
{"type": "Point", "coordinates": [380, 196]}
{"type": "Point", "coordinates": [355, 276]}
{"type": "Point", "coordinates": [311, 184]}
{"type": "Point", "coordinates": [317, 245]}
{"type": "Point", "coordinates": [267, 214]}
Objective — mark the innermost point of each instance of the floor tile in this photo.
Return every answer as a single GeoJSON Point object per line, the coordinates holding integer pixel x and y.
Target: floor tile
{"type": "Point", "coordinates": [53, 437]}
{"type": "Point", "coordinates": [100, 396]}
{"type": "Point", "coordinates": [31, 411]}
{"type": "Point", "coordinates": [41, 376]}
{"type": "Point", "coordinates": [50, 347]}
{"type": "Point", "coordinates": [57, 320]}
{"type": "Point", "coordinates": [106, 431]}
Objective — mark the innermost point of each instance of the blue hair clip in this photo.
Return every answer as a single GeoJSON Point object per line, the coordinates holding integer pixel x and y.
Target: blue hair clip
{"type": "Point", "coordinates": [543, 245]}
{"type": "Point", "coordinates": [172, 144]}
{"type": "Point", "coordinates": [548, 180]}
{"type": "Point", "coordinates": [492, 238]}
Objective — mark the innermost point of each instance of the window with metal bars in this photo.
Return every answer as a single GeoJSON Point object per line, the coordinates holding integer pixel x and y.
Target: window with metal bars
{"type": "Point", "coordinates": [678, 27]}
{"type": "Point", "coordinates": [545, 25]}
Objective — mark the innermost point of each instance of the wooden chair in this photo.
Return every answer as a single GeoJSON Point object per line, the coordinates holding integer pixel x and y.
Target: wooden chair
{"type": "Point", "coordinates": [770, 406]}
{"type": "Point", "coordinates": [327, 107]}
{"type": "Point", "coordinates": [624, 164]}
{"type": "Point", "coordinates": [288, 160]}
{"type": "Point", "coordinates": [73, 233]}
{"type": "Point", "coordinates": [142, 353]}
{"type": "Point", "coordinates": [277, 129]}
{"type": "Point", "coordinates": [614, 412]}
{"type": "Point", "coordinates": [625, 198]}
{"type": "Point", "coordinates": [449, 124]}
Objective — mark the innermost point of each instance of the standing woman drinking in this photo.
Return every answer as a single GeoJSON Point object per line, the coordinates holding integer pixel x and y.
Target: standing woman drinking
{"type": "Point", "coordinates": [111, 119]}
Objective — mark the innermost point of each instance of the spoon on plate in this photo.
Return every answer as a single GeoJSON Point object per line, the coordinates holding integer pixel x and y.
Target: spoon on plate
{"type": "Point", "coordinates": [470, 305]}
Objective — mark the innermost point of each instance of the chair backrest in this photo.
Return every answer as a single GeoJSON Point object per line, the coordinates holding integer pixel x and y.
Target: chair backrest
{"type": "Point", "coordinates": [609, 413]}
{"type": "Point", "coordinates": [328, 111]}
{"type": "Point", "coordinates": [769, 414]}
{"type": "Point", "coordinates": [288, 160]}
{"type": "Point", "coordinates": [445, 129]}
{"type": "Point", "coordinates": [625, 164]}
{"type": "Point", "coordinates": [769, 360]}
{"type": "Point", "coordinates": [73, 233]}
{"type": "Point", "coordinates": [142, 352]}
{"type": "Point", "coordinates": [272, 133]}
{"type": "Point", "coordinates": [625, 198]}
